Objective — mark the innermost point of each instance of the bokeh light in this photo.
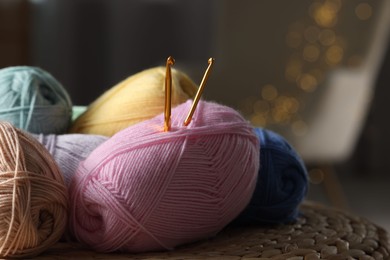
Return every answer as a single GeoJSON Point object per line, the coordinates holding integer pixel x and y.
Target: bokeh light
{"type": "Point", "coordinates": [325, 14]}
{"type": "Point", "coordinates": [307, 82]}
{"type": "Point", "coordinates": [269, 92]}
{"type": "Point", "coordinates": [316, 46]}
{"type": "Point", "coordinates": [363, 11]}
{"type": "Point", "coordinates": [312, 33]}
{"type": "Point", "coordinates": [311, 52]}
{"type": "Point", "coordinates": [334, 55]}
{"type": "Point", "coordinates": [327, 37]}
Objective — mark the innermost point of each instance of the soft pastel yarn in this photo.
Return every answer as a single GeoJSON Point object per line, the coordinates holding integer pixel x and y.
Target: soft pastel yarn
{"type": "Point", "coordinates": [77, 111]}
{"type": "Point", "coordinates": [281, 185]}
{"type": "Point", "coordinates": [33, 100]}
{"type": "Point", "coordinates": [282, 179]}
{"type": "Point", "coordinates": [137, 98]}
{"type": "Point", "coordinates": [69, 150]}
{"type": "Point", "coordinates": [145, 189]}
{"type": "Point", "coordinates": [33, 200]}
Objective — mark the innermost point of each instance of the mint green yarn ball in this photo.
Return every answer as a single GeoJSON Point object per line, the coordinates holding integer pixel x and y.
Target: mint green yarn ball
{"type": "Point", "coordinates": [33, 100]}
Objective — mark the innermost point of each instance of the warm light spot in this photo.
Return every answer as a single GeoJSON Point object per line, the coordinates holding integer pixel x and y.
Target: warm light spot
{"type": "Point", "coordinates": [293, 69]}
{"type": "Point", "coordinates": [293, 39]}
{"type": "Point", "coordinates": [261, 107]}
{"type": "Point", "coordinates": [280, 116]}
{"type": "Point", "coordinates": [311, 34]}
{"type": "Point", "coordinates": [355, 61]}
{"type": "Point", "coordinates": [327, 37]}
{"type": "Point", "coordinates": [280, 113]}
{"type": "Point", "coordinates": [269, 92]}
{"type": "Point", "coordinates": [284, 107]}
{"type": "Point", "coordinates": [299, 128]}
{"type": "Point", "coordinates": [311, 53]}
{"type": "Point", "coordinates": [316, 176]}
{"type": "Point", "coordinates": [292, 105]}
{"type": "Point", "coordinates": [308, 82]}
{"type": "Point", "coordinates": [334, 55]}
{"type": "Point", "coordinates": [258, 120]}
{"type": "Point", "coordinates": [279, 103]}
{"type": "Point", "coordinates": [363, 11]}
{"type": "Point", "coordinates": [313, 8]}
{"type": "Point", "coordinates": [325, 14]}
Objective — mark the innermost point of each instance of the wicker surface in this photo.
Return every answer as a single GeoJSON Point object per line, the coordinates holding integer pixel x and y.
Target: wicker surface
{"type": "Point", "coordinates": [321, 233]}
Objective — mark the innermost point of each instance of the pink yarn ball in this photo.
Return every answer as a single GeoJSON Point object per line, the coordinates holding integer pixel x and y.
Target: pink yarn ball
{"type": "Point", "coordinates": [146, 190]}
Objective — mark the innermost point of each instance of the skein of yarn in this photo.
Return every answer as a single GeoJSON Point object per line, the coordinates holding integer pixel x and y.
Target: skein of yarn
{"type": "Point", "coordinates": [33, 100]}
{"type": "Point", "coordinates": [281, 185]}
{"type": "Point", "coordinates": [282, 179]}
{"type": "Point", "coordinates": [145, 189]}
{"type": "Point", "coordinates": [77, 111]}
{"type": "Point", "coordinates": [136, 99]}
{"type": "Point", "coordinates": [33, 205]}
{"type": "Point", "coordinates": [69, 150]}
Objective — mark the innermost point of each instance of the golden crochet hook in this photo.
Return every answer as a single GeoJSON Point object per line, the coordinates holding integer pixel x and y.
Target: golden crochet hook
{"type": "Point", "coordinates": [199, 92]}
{"type": "Point", "coordinates": [168, 93]}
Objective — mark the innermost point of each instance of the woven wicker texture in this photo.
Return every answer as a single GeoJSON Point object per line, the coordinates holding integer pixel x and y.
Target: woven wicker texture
{"type": "Point", "coordinates": [320, 233]}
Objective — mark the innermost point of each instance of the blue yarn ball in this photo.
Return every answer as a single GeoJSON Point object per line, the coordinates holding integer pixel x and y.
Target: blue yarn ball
{"type": "Point", "coordinates": [33, 100]}
{"type": "Point", "coordinates": [282, 183]}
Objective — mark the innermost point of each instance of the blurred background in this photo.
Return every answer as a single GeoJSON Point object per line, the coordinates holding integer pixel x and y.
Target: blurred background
{"type": "Point", "coordinates": [314, 71]}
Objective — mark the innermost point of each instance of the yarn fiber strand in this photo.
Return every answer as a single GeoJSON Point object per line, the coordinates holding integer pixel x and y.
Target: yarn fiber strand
{"type": "Point", "coordinates": [137, 98]}
{"type": "Point", "coordinates": [145, 189]}
{"type": "Point", "coordinates": [69, 150]}
{"type": "Point", "coordinates": [282, 183]}
{"type": "Point", "coordinates": [33, 198]}
{"type": "Point", "coordinates": [33, 100]}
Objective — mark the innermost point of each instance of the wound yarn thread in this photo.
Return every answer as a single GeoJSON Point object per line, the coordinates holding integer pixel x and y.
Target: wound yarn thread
{"type": "Point", "coordinates": [77, 111]}
{"type": "Point", "coordinates": [33, 204]}
{"type": "Point", "coordinates": [281, 186]}
{"type": "Point", "coordinates": [33, 100]}
{"type": "Point", "coordinates": [282, 183]}
{"type": "Point", "coordinates": [145, 189]}
{"type": "Point", "coordinates": [69, 149]}
{"type": "Point", "coordinates": [137, 98]}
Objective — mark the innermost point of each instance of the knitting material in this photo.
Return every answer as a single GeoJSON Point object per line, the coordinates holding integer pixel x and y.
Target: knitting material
{"type": "Point", "coordinates": [33, 100]}
{"type": "Point", "coordinates": [137, 98]}
{"type": "Point", "coordinates": [33, 198]}
{"type": "Point", "coordinates": [281, 185]}
{"type": "Point", "coordinates": [69, 149]}
{"type": "Point", "coordinates": [145, 189]}
{"type": "Point", "coordinates": [77, 111]}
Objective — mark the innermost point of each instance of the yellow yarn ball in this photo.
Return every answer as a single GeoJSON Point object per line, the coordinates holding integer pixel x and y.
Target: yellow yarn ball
{"type": "Point", "coordinates": [137, 98]}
